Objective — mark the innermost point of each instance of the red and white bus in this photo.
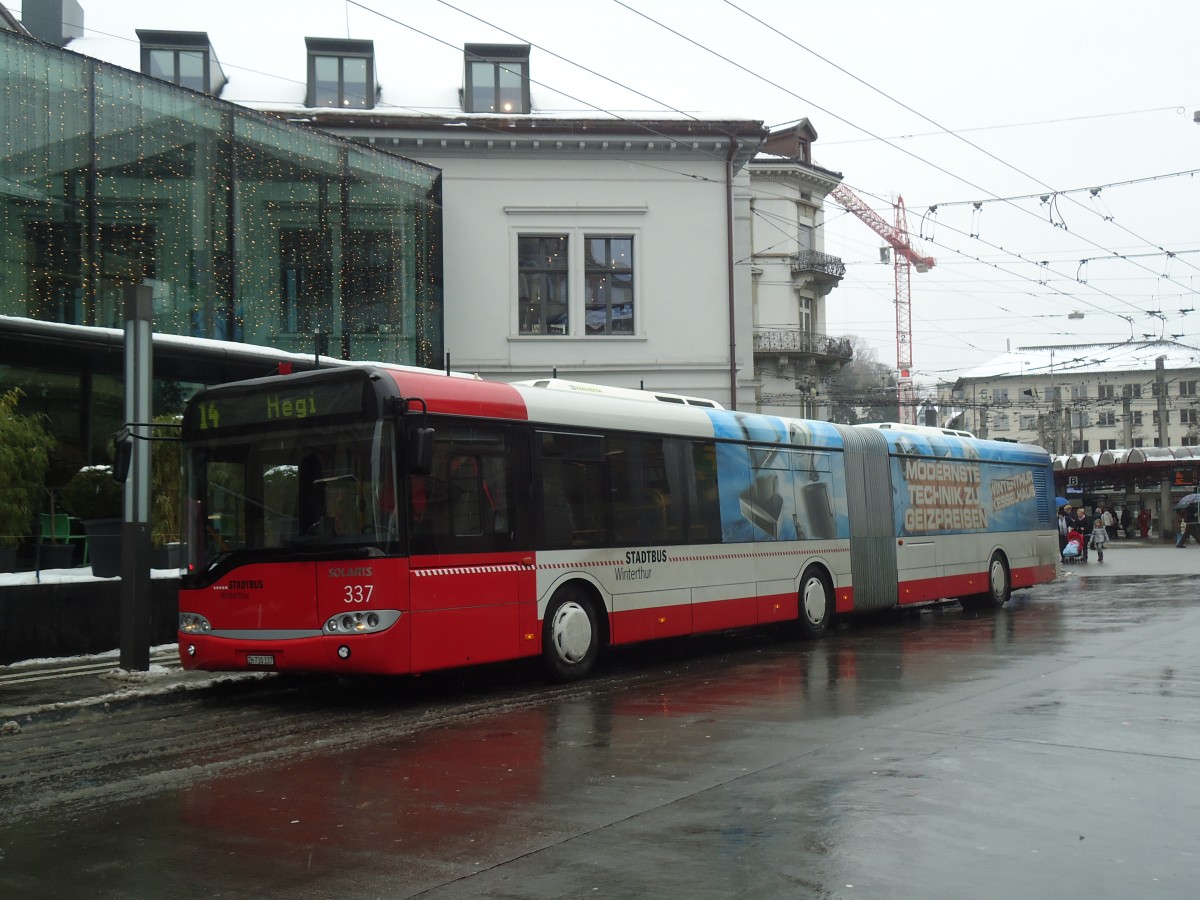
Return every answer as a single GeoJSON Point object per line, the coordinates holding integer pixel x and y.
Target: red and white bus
{"type": "Point", "coordinates": [393, 520]}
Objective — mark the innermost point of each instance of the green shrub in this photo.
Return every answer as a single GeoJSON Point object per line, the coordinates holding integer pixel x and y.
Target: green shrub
{"type": "Point", "coordinates": [24, 454]}
{"type": "Point", "coordinates": [92, 494]}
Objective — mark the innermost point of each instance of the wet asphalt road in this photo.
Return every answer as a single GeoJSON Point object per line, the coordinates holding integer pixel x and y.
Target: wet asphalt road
{"type": "Point", "coordinates": [1051, 749]}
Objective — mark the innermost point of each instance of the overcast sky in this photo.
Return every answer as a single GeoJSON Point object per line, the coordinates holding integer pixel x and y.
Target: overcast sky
{"type": "Point", "coordinates": [983, 101]}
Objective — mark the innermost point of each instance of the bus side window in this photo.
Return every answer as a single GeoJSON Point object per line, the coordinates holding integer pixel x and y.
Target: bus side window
{"type": "Point", "coordinates": [467, 494]}
{"type": "Point", "coordinates": [704, 515]}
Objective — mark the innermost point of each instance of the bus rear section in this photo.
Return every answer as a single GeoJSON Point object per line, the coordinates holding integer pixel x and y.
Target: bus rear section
{"type": "Point", "coordinates": [969, 519]}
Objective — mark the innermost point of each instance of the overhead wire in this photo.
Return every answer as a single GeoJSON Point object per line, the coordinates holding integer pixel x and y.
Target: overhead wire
{"type": "Point", "coordinates": [642, 125]}
{"type": "Point", "coordinates": [926, 118]}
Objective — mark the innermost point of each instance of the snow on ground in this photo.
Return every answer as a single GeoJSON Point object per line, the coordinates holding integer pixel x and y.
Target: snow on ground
{"type": "Point", "coordinates": [68, 576]}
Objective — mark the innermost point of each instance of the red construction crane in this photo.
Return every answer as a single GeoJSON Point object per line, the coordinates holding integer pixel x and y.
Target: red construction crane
{"type": "Point", "coordinates": [903, 259]}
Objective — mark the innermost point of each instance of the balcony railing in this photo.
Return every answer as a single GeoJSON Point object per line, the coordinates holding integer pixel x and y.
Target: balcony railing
{"type": "Point", "coordinates": [812, 262]}
{"type": "Point", "coordinates": [793, 340]}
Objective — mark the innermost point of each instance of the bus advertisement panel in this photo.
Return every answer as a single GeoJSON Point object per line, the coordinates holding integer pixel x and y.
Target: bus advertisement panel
{"type": "Point", "coordinates": [782, 487]}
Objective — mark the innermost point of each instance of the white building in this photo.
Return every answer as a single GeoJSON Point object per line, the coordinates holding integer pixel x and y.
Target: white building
{"type": "Point", "coordinates": [1083, 398]}
{"type": "Point", "coordinates": [575, 242]}
{"type": "Point", "coordinates": [793, 355]}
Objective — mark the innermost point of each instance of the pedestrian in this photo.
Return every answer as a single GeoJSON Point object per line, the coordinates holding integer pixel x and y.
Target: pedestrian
{"type": "Point", "coordinates": [1083, 524]}
{"type": "Point", "coordinates": [1126, 521]}
{"type": "Point", "coordinates": [1064, 525]}
{"type": "Point", "coordinates": [1099, 537]}
{"type": "Point", "coordinates": [1143, 521]}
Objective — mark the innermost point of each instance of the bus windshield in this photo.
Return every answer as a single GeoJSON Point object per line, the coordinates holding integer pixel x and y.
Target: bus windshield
{"type": "Point", "coordinates": [292, 492]}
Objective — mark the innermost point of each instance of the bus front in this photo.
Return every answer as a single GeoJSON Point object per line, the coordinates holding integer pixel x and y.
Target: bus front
{"type": "Point", "coordinates": [291, 527]}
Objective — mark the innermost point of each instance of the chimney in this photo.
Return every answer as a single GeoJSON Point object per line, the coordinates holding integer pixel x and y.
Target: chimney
{"type": "Point", "coordinates": [53, 21]}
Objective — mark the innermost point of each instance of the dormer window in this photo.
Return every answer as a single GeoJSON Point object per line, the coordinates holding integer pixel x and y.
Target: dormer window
{"type": "Point", "coordinates": [341, 73]}
{"type": "Point", "coordinates": [497, 78]}
{"type": "Point", "coordinates": [185, 58]}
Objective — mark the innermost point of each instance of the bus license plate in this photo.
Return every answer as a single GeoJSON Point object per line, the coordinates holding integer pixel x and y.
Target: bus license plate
{"type": "Point", "coordinates": [260, 660]}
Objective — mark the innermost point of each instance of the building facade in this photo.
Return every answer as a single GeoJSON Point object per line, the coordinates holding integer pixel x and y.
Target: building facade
{"type": "Point", "coordinates": [1082, 398]}
{"type": "Point", "coordinates": [792, 276]}
{"type": "Point", "coordinates": [578, 242]}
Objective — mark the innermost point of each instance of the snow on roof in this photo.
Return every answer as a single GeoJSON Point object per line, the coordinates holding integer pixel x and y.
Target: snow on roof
{"type": "Point", "coordinates": [1064, 359]}
{"type": "Point", "coordinates": [419, 55]}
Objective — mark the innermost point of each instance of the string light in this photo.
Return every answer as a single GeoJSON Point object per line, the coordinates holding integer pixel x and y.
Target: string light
{"type": "Point", "coordinates": [246, 229]}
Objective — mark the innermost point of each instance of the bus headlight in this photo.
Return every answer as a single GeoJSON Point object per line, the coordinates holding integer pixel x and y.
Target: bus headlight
{"type": "Point", "coordinates": [362, 622]}
{"type": "Point", "coordinates": [193, 623]}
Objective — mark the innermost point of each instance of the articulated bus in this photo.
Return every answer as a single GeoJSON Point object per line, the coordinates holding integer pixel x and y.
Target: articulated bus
{"type": "Point", "coordinates": [388, 520]}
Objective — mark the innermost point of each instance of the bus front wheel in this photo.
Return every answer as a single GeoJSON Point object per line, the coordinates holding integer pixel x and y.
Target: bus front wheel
{"type": "Point", "coordinates": [816, 603]}
{"type": "Point", "coordinates": [999, 587]}
{"type": "Point", "coordinates": [570, 635]}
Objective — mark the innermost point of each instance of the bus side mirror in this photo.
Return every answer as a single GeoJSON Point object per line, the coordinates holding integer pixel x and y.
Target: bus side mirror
{"type": "Point", "coordinates": [420, 451]}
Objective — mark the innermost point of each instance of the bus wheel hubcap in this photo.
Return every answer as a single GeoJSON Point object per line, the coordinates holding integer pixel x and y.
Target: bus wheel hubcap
{"type": "Point", "coordinates": [814, 601]}
{"type": "Point", "coordinates": [572, 632]}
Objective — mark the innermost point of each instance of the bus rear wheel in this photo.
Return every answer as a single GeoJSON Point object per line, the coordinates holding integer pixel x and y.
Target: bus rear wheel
{"type": "Point", "coordinates": [999, 587]}
{"type": "Point", "coordinates": [816, 603]}
{"type": "Point", "coordinates": [570, 635]}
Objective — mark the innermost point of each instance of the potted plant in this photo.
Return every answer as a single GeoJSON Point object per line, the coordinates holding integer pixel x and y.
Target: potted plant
{"type": "Point", "coordinates": [166, 490]}
{"type": "Point", "coordinates": [24, 454]}
{"type": "Point", "coordinates": [93, 496]}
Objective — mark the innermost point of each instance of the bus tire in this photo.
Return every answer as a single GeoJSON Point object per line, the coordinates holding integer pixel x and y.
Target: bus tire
{"type": "Point", "coordinates": [816, 603]}
{"type": "Point", "coordinates": [999, 586]}
{"type": "Point", "coordinates": [570, 635]}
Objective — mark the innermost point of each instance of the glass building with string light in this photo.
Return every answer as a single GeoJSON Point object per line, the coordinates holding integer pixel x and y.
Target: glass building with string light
{"type": "Point", "coordinates": [250, 231]}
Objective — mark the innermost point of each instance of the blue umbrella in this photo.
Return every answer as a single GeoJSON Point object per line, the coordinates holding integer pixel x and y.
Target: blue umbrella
{"type": "Point", "coordinates": [1060, 502]}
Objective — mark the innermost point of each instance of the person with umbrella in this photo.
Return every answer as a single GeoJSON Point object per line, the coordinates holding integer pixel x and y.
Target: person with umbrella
{"type": "Point", "coordinates": [1186, 510]}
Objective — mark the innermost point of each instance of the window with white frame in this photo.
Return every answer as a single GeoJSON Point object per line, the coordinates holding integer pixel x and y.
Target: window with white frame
{"type": "Point", "coordinates": [1188, 417]}
{"type": "Point", "coordinates": [575, 282]}
{"type": "Point", "coordinates": [1108, 444]}
{"type": "Point", "coordinates": [1079, 392]}
{"type": "Point", "coordinates": [1155, 417]}
{"type": "Point", "coordinates": [1079, 447]}
{"type": "Point", "coordinates": [1139, 442]}
{"type": "Point", "coordinates": [1187, 389]}
{"type": "Point", "coordinates": [1133, 391]}
{"type": "Point", "coordinates": [1106, 419]}
{"type": "Point", "coordinates": [608, 284]}
{"type": "Point", "coordinates": [1000, 395]}
{"type": "Point", "coordinates": [1080, 419]}
{"type": "Point", "coordinates": [1136, 418]}
{"type": "Point", "coordinates": [1000, 422]}
{"type": "Point", "coordinates": [804, 304]}
{"type": "Point", "coordinates": [542, 283]}
{"type": "Point", "coordinates": [1028, 423]}
{"type": "Point", "coordinates": [1106, 391]}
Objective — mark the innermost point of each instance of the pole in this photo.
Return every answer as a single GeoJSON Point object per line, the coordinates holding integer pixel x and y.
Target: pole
{"type": "Point", "coordinates": [1127, 417]}
{"type": "Point", "coordinates": [1055, 410]}
{"type": "Point", "coordinates": [135, 526]}
{"type": "Point", "coordinates": [1160, 386]}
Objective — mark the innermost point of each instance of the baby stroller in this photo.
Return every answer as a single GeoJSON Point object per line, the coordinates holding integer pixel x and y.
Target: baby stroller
{"type": "Point", "coordinates": [1072, 552]}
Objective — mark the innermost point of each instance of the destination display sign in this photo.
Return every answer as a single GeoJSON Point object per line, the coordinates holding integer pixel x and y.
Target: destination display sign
{"type": "Point", "coordinates": [276, 404]}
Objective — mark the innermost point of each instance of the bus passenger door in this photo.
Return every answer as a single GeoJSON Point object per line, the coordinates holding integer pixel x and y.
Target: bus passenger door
{"type": "Point", "coordinates": [467, 578]}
